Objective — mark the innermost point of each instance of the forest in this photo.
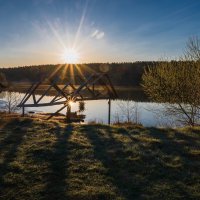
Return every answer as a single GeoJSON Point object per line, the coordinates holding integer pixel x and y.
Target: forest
{"type": "Point", "coordinates": [121, 74]}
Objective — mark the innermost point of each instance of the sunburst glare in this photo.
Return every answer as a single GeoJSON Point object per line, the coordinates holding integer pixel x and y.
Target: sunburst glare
{"type": "Point", "coordinates": [70, 56]}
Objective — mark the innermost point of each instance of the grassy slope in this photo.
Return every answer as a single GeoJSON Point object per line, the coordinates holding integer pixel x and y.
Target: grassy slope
{"type": "Point", "coordinates": [50, 160]}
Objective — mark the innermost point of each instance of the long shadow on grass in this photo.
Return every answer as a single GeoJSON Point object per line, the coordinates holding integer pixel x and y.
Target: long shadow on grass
{"type": "Point", "coordinates": [175, 144]}
{"type": "Point", "coordinates": [56, 187]}
{"type": "Point", "coordinates": [14, 132]}
{"type": "Point", "coordinates": [112, 154]}
{"type": "Point", "coordinates": [139, 165]}
{"type": "Point", "coordinates": [176, 164]}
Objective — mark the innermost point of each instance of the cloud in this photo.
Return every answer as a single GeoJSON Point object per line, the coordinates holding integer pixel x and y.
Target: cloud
{"type": "Point", "coordinates": [100, 35]}
{"type": "Point", "coordinates": [94, 33]}
{"type": "Point", "coordinates": [97, 34]}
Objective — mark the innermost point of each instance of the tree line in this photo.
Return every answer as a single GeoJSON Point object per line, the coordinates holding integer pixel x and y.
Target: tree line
{"type": "Point", "coordinates": [121, 74]}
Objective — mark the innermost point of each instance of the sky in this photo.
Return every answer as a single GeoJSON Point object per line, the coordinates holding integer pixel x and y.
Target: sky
{"type": "Point", "coordinates": [34, 32]}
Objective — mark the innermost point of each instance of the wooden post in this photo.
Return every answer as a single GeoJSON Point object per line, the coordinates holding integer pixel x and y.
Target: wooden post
{"type": "Point", "coordinates": [23, 111]}
{"type": "Point", "coordinates": [68, 114]}
{"type": "Point", "coordinates": [109, 110]}
{"type": "Point", "coordinates": [93, 87]}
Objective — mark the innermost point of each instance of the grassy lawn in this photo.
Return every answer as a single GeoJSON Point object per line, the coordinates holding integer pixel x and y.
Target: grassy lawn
{"type": "Point", "coordinates": [51, 160]}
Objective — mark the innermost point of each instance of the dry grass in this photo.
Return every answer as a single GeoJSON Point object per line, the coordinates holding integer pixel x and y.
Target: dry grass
{"type": "Point", "coordinates": [52, 160]}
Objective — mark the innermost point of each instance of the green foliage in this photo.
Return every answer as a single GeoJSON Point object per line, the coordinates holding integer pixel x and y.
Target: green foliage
{"type": "Point", "coordinates": [175, 83]}
{"type": "Point", "coordinates": [51, 160]}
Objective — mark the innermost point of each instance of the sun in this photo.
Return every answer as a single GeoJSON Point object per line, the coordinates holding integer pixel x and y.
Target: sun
{"type": "Point", "coordinates": [70, 56]}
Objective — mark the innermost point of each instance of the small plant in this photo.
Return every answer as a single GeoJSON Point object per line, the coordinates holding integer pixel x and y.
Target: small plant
{"type": "Point", "coordinates": [81, 106]}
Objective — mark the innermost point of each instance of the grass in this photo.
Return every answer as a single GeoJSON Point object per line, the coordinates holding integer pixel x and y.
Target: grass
{"type": "Point", "coordinates": [52, 160]}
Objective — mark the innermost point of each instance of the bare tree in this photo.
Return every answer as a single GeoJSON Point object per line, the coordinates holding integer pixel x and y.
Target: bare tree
{"type": "Point", "coordinates": [185, 114]}
{"type": "Point", "coordinates": [117, 118]}
{"type": "Point", "coordinates": [192, 51]}
{"type": "Point", "coordinates": [12, 100]}
{"type": "Point", "coordinates": [128, 110]}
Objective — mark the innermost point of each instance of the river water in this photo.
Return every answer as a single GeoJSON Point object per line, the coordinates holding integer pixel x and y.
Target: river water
{"type": "Point", "coordinates": [144, 112]}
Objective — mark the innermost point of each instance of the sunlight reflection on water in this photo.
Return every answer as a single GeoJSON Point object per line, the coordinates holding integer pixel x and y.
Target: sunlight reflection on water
{"type": "Point", "coordinates": [97, 110]}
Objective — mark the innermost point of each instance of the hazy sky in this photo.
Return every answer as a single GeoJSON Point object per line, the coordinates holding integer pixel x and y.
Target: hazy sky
{"type": "Point", "coordinates": [39, 31]}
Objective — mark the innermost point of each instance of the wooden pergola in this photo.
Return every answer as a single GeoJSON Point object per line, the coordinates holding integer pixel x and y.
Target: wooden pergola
{"type": "Point", "coordinates": [94, 87]}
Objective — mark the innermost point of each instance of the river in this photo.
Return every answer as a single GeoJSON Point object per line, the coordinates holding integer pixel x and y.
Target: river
{"type": "Point", "coordinates": [132, 104]}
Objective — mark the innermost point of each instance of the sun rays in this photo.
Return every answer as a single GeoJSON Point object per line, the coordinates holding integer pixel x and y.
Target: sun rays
{"type": "Point", "coordinates": [71, 49]}
{"type": "Point", "coordinates": [70, 56]}
{"type": "Point", "coordinates": [72, 72]}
